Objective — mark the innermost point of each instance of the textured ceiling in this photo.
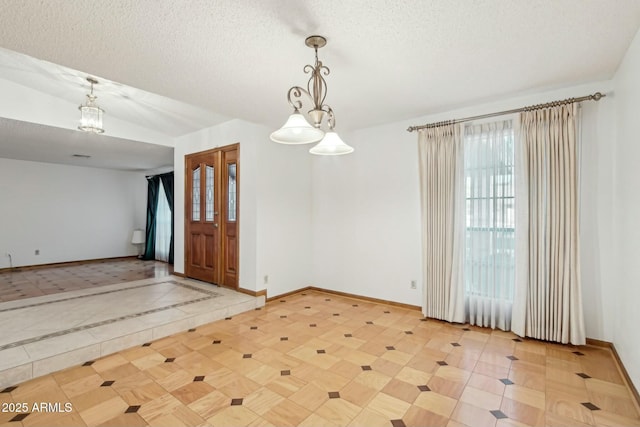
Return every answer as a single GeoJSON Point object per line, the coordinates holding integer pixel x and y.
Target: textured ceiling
{"type": "Point", "coordinates": [389, 60]}
{"type": "Point", "coordinates": [149, 110]}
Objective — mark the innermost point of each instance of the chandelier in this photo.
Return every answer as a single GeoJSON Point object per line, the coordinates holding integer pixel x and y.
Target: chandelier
{"type": "Point", "coordinates": [90, 113]}
{"type": "Point", "coordinates": [297, 129]}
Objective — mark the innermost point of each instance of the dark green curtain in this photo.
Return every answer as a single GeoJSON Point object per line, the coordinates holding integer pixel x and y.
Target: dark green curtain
{"type": "Point", "coordinates": [167, 184]}
{"type": "Point", "coordinates": [153, 187]}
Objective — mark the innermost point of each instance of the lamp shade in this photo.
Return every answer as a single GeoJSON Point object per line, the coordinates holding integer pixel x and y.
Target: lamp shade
{"type": "Point", "coordinates": [331, 145]}
{"type": "Point", "coordinates": [137, 237]}
{"type": "Point", "coordinates": [297, 130]}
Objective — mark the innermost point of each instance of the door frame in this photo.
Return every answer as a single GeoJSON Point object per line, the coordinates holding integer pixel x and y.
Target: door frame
{"type": "Point", "coordinates": [223, 211]}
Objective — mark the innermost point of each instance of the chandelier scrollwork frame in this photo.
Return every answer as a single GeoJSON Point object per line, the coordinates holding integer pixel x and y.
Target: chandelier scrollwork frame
{"type": "Point", "coordinates": [297, 130]}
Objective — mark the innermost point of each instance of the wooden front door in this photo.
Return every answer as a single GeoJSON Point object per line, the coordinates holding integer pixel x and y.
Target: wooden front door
{"type": "Point", "coordinates": [211, 216]}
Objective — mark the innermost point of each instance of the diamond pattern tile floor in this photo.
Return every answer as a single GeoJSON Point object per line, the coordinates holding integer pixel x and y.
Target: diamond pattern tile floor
{"type": "Point", "coordinates": [336, 373]}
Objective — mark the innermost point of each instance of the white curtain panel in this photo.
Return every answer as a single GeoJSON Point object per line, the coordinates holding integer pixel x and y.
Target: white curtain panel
{"type": "Point", "coordinates": [441, 181]}
{"type": "Point", "coordinates": [548, 300]}
{"type": "Point", "coordinates": [489, 258]}
{"type": "Point", "coordinates": [163, 226]}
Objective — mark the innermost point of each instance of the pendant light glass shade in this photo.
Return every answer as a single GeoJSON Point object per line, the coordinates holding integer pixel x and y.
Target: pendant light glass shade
{"type": "Point", "coordinates": [331, 145]}
{"type": "Point", "coordinates": [90, 113]}
{"type": "Point", "coordinates": [297, 130]}
{"type": "Point", "coordinates": [91, 119]}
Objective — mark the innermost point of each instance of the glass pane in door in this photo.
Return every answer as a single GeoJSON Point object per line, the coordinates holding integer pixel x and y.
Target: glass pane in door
{"type": "Point", "coordinates": [209, 206]}
{"type": "Point", "coordinates": [195, 194]}
{"type": "Point", "coordinates": [231, 196]}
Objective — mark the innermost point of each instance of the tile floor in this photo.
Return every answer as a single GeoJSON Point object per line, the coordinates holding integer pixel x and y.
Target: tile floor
{"type": "Point", "coordinates": [32, 282]}
{"type": "Point", "coordinates": [314, 359]}
{"type": "Point", "coordinates": [47, 333]}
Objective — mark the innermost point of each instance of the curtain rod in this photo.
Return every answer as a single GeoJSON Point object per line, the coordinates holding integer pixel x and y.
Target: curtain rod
{"type": "Point", "coordinates": [595, 97]}
{"type": "Point", "coordinates": [159, 174]}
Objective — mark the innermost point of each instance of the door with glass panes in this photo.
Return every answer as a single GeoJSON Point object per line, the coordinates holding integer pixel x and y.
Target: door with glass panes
{"type": "Point", "coordinates": [211, 216]}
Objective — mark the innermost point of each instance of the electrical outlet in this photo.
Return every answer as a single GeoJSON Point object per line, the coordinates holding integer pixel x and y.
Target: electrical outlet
{"type": "Point", "coordinates": [37, 251]}
{"type": "Point", "coordinates": [413, 284]}
{"type": "Point", "coordinates": [266, 279]}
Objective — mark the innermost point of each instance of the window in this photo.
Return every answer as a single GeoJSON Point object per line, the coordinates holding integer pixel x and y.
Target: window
{"type": "Point", "coordinates": [163, 226]}
{"type": "Point", "coordinates": [490, 218]}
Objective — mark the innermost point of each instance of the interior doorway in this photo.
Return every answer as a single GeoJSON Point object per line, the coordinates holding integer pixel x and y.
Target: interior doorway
{"type": "Point", "coordinates": [211, 216]}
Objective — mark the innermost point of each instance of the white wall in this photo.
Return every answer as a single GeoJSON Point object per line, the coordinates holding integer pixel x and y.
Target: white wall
{"type": "Point", "coordinates": [41, 108]}
{"type": "Point", "coordinates": [366, 211]}
{"type": "Point", "coordinates": [624, 282]}
{"type": "Point", "coordinates": [284, 244]}
{"type": "Point", "coordinates": [596, 215]}
{"type": "Point", "coordinates": [69, 213]}
{"type": "Point", "coordinates": [366, 207]}
{"type": "Point", "coordinates": [275, 205]}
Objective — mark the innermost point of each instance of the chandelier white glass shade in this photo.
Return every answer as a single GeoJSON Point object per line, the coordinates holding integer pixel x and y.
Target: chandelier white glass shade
{"type": "Point", "coordinates": [90, 113]}
{"type": "Point", "coordinates": [331, 145]}
{"type": "Point", "coordinates": [297, 129]}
